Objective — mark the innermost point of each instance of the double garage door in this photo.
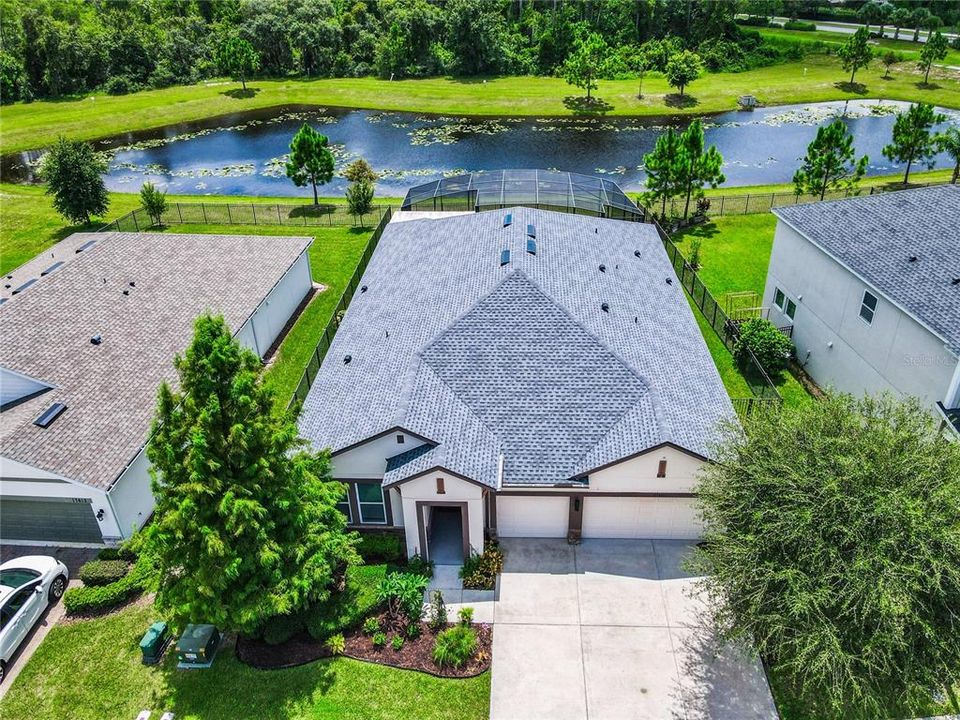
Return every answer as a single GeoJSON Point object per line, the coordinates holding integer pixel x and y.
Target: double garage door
{"type": "Point", "coordinates": [603, 517]}
{"type": "Point", "coordinates": [53, 520]}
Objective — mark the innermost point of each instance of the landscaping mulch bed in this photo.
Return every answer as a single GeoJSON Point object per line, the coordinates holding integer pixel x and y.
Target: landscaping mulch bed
{"type": "Point", "coordinates": [416, 654]}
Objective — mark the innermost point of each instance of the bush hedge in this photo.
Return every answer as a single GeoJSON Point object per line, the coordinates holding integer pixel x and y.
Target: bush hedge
{"type": "Point", "coordinates": [770, 346]}
{"type": "Point", "coordinates": [376, 548]}
{"type": "Point", "coordinates": [455, 646]}
{"type": "Point", "coordinates": [799, 25]}
{"type": "Point", "coordinates": [102, 597]}
{"type": "Point", "coordinates": [479, 572]}
{"type": "Point", "coordinates": [103, 572]}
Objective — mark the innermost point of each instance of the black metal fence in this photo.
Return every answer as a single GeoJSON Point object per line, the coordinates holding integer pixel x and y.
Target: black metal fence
{"type": "Point", "coordinates": [178, 213]}
{"type": "Point", "coordinates": [323, 344]}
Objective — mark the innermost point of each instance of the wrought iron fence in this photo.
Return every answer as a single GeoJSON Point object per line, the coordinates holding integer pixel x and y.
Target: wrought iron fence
{"type": "Point", "coordinates": [177, 213]}
{"type": "Point", "coordinates": [323, 344]}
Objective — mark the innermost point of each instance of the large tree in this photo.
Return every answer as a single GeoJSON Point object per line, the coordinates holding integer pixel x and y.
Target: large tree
{"type": "Point", "coordinates": [949, 142]}
{"type": "Point", "coordinates": [587, 63]}
{"type": "Point", "coordinates": [237, 58]}
{"type": "Point", "coordinates": [682, 69]}
{"type": "Point", "coordinates": [831, 546]}
{"type": "Point", "coordinates": [933, 50]}
{"type": "Point", "coordinates": [310, 160]}
{"type": "Point", "coordinates": [856, 52]}
{"type": "Point", "coordinates": [246, 525]}
{"type": "Point", "coordinates": [73, 173]}
{"type": "Point", "coordinates": [697, 165]}
{"type": "Point", "coordinates": [912, 138]}
{"type": "Point", "coordinates": [660, 166]}
{"type": "Point", "coordinates": [830, 163]}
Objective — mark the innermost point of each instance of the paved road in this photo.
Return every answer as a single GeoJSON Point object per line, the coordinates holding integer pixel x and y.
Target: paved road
{"type": "Point", "coordinates": [610, 630]}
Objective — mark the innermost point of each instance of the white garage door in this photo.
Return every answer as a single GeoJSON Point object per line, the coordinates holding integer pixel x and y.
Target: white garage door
{"type": "Point", "coordinates": [532, 516]}
{"type": "Point", "coordinates": [630, 517]}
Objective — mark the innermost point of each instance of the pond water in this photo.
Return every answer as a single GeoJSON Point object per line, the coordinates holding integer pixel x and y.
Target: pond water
{"type": "Point", "coordinates": [244, 153]}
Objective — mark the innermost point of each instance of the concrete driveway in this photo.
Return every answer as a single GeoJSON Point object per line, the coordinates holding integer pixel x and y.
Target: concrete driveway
{"type": "Point", "coordinates": [610, 629]}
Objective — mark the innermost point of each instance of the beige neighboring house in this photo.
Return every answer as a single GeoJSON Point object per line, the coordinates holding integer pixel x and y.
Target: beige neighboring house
{"type": "Point", "coordinates": [90, 329]}
{"type": "Point", "coordinates": [517, 373]}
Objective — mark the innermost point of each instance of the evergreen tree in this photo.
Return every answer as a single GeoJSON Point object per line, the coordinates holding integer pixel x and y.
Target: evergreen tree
{"type": "Point", "coordinates": [237, 58]}
{"type": "Point", "coordinates": [310, 160]}
{"type": "Point", "coordinates": [360, 198]}
{"type": "Point", "coordinates": [73, 174]}
{"type": "Point", "coordinates": [889, 59]}
{"type": "Point", "coordinates": [661, 169]}
{"type": "Point", "coordinates": [696, 167]}
{"type": "Point", "coordinates": [912, 140]}
{"type": "Point", "coordinates": [683, 68]}
{"type": "Point", "coordinates": [934, 49]}
{"type": "Point", "coordinates": [856, 52]}
{"type": "Point", "coordinates": [586, 63]}
{"type": "Point", "coordinates": [246, 525]}
{"type": "Point", "coordinates": [949, 142]}
{"type": "Point", "coordinates": [829, 163]}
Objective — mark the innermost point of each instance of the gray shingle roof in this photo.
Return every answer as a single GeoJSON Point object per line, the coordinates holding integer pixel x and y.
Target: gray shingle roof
{"type": "Point", "coordinates": [109, 389]}
{"type": "Point", "coordinates": [875, 235]}
{"type": "Point", "coordinates": [520, 359]}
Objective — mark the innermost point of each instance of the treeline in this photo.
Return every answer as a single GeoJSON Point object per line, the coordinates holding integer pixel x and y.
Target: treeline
{"type": "Point", "coordinates": [53, 48]}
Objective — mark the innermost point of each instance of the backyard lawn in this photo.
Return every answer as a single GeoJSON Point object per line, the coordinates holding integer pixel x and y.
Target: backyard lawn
{"type": "Point", "coordinates": [91, 670]}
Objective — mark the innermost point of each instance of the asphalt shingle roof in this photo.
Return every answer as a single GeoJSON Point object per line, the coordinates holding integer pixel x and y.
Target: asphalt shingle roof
{"type": "Point", "coordinates": [110, 389]}
{"type": "Point", "coordinates": [519, 359]}
{"type": "Point", "coordinates": [876, 235]}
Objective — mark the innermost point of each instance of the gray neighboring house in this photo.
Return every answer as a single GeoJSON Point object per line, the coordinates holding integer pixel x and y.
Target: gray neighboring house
{"type": "Point", "coordinates": [871, 286]}
{"type": "Point", "coordinates": [90, 328]}
{"type": "Point", "coordinates": [517, 373]}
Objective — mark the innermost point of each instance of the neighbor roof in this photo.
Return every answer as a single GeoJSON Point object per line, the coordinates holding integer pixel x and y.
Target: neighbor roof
{"type": "Point", "coordinates": [109, 389]}
{"type": "Point", "coordinates": [876, 235]}
{"type": "Point", "coordinates": [518, 359]}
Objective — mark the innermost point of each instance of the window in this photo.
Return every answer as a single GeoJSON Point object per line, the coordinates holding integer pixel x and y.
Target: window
{"type": "Point", "coordinates": [790, 310]}
{"type": "Point", "coordinates": [868, 307]}
{"type": "Point", "coordinates": [400, 439]}
{"type": "Point", "coordinates": [662, 469]}
{"type": "Point", "coordinates": [779, 298]}
{"type": "Point", "coordinates": [370, 499]}
{"type": "Point", "coordinates": [13, 605]}
{"type": "Point", "coordinates": [440, 489]}
{"type": "Point", "coordinates": [344, 506]}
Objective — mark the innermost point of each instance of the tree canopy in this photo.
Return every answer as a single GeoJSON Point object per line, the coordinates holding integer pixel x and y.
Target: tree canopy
{"type": "Point", "coordinates": [856, 52]}
{"type": "Point", "coordinates": [933, 50]}
{"type": "Point", "coordinates": [696, 166]}
{"type": "Point", "coordinates": [73, 173]}
{"type": "Point", "coordinates": [237, 58]}
{"type": "Point", "coordinates": [587, 63]}
{"type": "Point", "coordinates": [949, 142]}
{"type": "Point", "coordinates": [310, 160]}
{"type": "Point", "coordinates": [682, 69]}
{"type": "Point", "coordinates": [831, 546]}
{"type": "Point", "coordinates": [829, 163]}
{"type": "Point", "coordinates": [246, 525]}
{"type": "Point", "coordinates": [913, 140]}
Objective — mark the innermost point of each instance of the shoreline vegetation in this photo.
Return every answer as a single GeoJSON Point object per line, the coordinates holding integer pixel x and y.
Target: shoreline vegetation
{"type": "Point", "coordinates": [816, 78]}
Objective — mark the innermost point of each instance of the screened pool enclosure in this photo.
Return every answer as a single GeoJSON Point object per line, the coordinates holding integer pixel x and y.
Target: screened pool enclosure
{"type": "Point", "coordinates": [545, 189]}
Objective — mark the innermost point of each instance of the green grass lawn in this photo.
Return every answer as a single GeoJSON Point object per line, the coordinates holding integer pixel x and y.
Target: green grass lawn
{"type": "Point", "coordinates": [91, 670]}
{"type": "Point", "coordinates": [882, 181]}
{"type": "Point", "coordinates": [817, 77]}
{"type": "Point", "coordinates": [734, 255]}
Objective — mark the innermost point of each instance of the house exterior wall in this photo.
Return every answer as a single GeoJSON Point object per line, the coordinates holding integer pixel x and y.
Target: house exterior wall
{"type": "Point", "coordinates": [263, 327]}
{"type": "Point", "coordinates": [838, 349]}
{"type": "Point", "coordinates": [457, 490]}
{"type": "Point", "coordinates": [132, 497]}
{"type": "Point", "coordinates": [639, 474]}
{"type": "Point", "coordinates": [369, 460]}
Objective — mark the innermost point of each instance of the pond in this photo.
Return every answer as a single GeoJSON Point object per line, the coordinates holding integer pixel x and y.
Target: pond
{"type": "Point", "coordinates": [244, 154]}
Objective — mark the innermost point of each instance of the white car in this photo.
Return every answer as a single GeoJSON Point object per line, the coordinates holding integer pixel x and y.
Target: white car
{"type": "Point", "coordinates": [27, 586]}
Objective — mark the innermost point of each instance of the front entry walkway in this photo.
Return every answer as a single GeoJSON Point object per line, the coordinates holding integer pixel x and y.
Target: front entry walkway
{"type": "Point", "coordinates": [609, 630]}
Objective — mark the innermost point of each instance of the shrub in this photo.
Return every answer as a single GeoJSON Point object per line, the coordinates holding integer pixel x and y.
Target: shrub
{"type": "Point", "coordinates": [102, 597]}
{"type": "Point", "coordinates": [799, 25]}
{"type": "Point", "coordinates": [418, 566]}
{"type": "Point", "coordinates": [121, 85]}
{"type": "Point", "coordinates": [371, 626]}
{"type": "Point", "coordinates": [695, 252]}
{"type": "Point", "coordinates": [153, 201]}
{"type": "Point", "coordinates": [379, 639]}
{"type": "Point", "coordinates": [281, 628]}
{"type": "Point", "coordinates": [117, 553]}
{"type": "Point", "coordinates": [336, 644]}
{"type": "Point", "coordinates": [403, 595]}
{"type": "Point", "coordinates": [346, 609]}
{"type": "Point", "coordinates": [397, 643]}
{"type": "Point", "coordinates": [103, 572]}
{"type": "Point", "coordinates": [466, 616]}
{"type": "Point", "coordinates": [413, 630]}
{"type": "Point", "coordinates": [754, 21]}
{"type": "Point", "coordinates": [455, 646]}
{"type": "Point", "coordinates": [438, 611]}
{"type": "Point", "coordinates": [379, 548]}
{"type": "Point", "coordinates": [770, 346]}
{"type": "Point", "coordinates": [479, 572]}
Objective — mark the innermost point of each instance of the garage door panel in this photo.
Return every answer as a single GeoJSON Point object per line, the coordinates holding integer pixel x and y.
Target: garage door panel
{"type": "Point", "coordinates": [532, 516]}
{"type": "Point", "coordinates": [49, 519]}
{"type": "Point", "coordinates": [631, 517]}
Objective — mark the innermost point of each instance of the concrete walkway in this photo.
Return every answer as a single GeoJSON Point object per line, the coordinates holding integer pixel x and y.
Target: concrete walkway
{"type": "Point", "coordinates": [611, 630]}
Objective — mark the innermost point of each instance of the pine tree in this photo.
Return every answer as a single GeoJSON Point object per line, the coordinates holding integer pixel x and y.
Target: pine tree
{"type": "Point", "coordinates": [310, 160]}
{"type": "Point", "coordinates": [949, 142]}
{"type": "Point", "coordinates": [912, 140]}
{"type": "Point", "coordinates": [934, 49]}
{"type": "Point", "coordinates": [586, 63]}
{"type": "Point", "coordinates": [829, 163]}
{"type": "Point", "coordinates": [856, 52]}
{"type": "Point", "coordinates": [696, 167]}
{"type": "Point", "coordinates": [246, 525]}
{"type": "Point", "coordinates": [660, 166]}
{"type": "Point", "coordinates": [237, 58]}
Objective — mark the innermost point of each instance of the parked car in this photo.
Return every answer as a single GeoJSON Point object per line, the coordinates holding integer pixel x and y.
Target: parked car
{"type": "Point", "coordinates": [27, 586]}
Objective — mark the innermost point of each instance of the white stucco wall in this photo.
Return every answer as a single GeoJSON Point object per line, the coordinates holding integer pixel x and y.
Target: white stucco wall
{"type": "Point", "coordinates": [894, 352]}
{"type": "Point", "coordinates": [263, 327]}
{"type": "Point", "coordinates": [639, 474]}
{"type": "Point", "coordinates": [457, 490]}
{"type": "Point", "coordinates": [369, 460]}
{"type": "Point", "coordinates": [132, 497]}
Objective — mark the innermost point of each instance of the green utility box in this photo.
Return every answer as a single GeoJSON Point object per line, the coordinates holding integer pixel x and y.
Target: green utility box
{"type": "Point", "coordinates": [197, 646]}
{"type": "Point", "coordinates": [154, 642]}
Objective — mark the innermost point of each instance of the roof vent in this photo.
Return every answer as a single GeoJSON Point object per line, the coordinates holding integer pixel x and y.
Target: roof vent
{"type": "Point", "coordinates": [87, 244]}
{"type": "Point", "coordinates": [347, 359]}
{"type": "Point", "coordinates": [531, 231]}
{"type": "Point", "coordinates": [504, 257]}
{"type": "Point", "coordinates": [363, 288]}
{"type": "Point", "coordinates": [912, 258]}
{"type": "Point", "coordinates": [636, 253]}
{"type": "Point", "coordinates": [596, 231]}
{"type": "Point", "coordinates": [49, 415]}
{"type": "Point", "coordinates": [126, 292]}
{"type": "Point", "coordinates": [955, 281]}
{"type": "Point", "coordinates": [507, 219]}
{"type": "Point", "coordinates": [96, 340]}
{"type": "Point", "coordinates": [669, 281]}
{"type": "Point", "coordinates": [23, 287]}
{"type": "Point", "coordinates": [531, 246]}
{"type": "Point", "coordinates": [603, 268]}
{"type": "Point", "coordinates": [51, 268]}
{"type": "Point", "coordinates": [132, 283]}
{"type": "Point", "coordinates": [605, 307]}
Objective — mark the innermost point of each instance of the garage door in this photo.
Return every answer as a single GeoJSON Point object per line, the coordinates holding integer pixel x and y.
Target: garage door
{"type": "Point", "coordinates": [532, 516]}
{"type": "Point", "coordinates": [52, 520]}
{"type": "Point", "coordinates": [609, 517]}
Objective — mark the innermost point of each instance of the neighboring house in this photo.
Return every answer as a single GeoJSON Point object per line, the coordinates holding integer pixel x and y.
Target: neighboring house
{"type": "Point", "coordinates": [514, 373]}
{"type": "Point", "coordinates": [90, 331]}
{"type": "Point", "coordinates": [871, 286]}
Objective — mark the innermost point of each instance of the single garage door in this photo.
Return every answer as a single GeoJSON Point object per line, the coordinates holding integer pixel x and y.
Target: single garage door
{"type": "Point", "coordinates": [49, 519]}
{"type": "Point", "coordinates": [631, 517]}
{"type": "Point", "coordinates": [545, 517]}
